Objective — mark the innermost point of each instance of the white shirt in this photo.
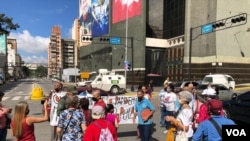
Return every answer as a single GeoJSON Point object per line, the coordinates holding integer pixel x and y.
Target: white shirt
{"type": "Point", "coordinates": [54, 103]}
{"type": "Point", "coordinates": [186, 116]}
{"type": "Point", "coordinates": [169, 101]}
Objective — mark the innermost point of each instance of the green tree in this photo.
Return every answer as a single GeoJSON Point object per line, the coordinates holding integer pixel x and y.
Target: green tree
{"type": "Point", "coordinates": [26, 71]}
{"type": "Point", "coordinates": [41, 71]}
{"type": "Point", "coordinates": [6, 24]}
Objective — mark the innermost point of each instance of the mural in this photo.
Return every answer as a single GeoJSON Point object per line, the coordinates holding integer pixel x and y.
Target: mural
{"type": "Point", "coordinates": [125, 9]}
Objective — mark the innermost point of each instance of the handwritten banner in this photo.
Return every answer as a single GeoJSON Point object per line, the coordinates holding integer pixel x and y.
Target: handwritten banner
{"type": "Point", "coordinates": [123, 107]}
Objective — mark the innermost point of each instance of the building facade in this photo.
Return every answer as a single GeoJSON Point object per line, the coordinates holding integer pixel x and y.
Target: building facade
{"type": "Point", "coordinates": [69, 52]}
{"type": "Point", "coordinates": [55, 53]}
{"type": "Point", "coordinates": [155, 36]}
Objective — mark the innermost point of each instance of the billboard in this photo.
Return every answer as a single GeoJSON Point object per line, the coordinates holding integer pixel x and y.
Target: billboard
{"type": "Point", "coordinates": [94, 18]}
{"type": "Point", "coordinates": [125, 9]}
{"type": "Point", "coordinates": [2, 44]}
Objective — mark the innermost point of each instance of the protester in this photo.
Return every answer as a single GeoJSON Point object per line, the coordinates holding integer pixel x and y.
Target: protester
{"type": "Point", "coordinates": [183, 120]}
{"type": "Point", "coordinates": [147, 95]}
{"type": "Point", "coordinates": [84, 104]}
{"type": "Point", "coordinates": [87, 92]}
{"type": "Point", "coordinates": [71, 124]}
{"type": "Point", "coordinates": [93, 131]}
{"type": "Point", "coordinates": [62, 103]}
{"type": "Point", "coordinates": [22, 125]}
{"type": "Point", "coordinates": [110, 116]}
{"type": "Point", "coordinates": [55, 96]}
{"type": "Point", "coordinates": [161, 104]}
{"type": "Point", "coordinates": [97, 99]}
{"type": "Point", "coordinates": [4, 119]}
{"type": "Point", "coordinates": [144, 123]}
{"type": "Point", "coordinates": [207, 131]}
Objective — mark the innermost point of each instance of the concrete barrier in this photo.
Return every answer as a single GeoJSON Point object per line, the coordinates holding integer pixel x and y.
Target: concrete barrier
{"type": "Point", "coordinates": [37, 93]}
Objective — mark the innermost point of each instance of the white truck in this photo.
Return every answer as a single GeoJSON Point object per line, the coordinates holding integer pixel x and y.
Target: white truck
{"type": "Point", "coordinates": [107, 81]}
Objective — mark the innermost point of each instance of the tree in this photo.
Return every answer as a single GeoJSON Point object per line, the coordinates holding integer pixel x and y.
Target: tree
{"type": "Point", "coordinates": [41, 71]}
{"type": "Point", "coordinates": [26, 71]}
{"type": "Point", "coordinates": [6, 24]}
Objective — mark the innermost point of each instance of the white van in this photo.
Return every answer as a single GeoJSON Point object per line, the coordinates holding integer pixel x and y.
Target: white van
{"type": "Point", "coordinates": [223, 79]}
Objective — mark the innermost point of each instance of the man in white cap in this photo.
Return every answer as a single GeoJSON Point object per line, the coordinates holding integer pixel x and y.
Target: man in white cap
{"type": "Point", "coordinates": [207, 94]}
{"type": "Point", "coordinates": [93, 131]}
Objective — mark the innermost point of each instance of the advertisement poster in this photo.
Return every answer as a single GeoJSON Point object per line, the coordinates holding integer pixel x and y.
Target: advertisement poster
{"type": "Point", "coordinates": [94, 19]}
{"type": "Point", "coordinates": [125, 9]}
{"type": "Point", "coordinates": [100, 13]}
{"type": "Point", "coordinates": [124, 107]}
{"type": "Point", "coordinates": [2, 44]}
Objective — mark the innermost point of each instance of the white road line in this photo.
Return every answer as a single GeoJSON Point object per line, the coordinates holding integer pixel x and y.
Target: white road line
{"type": "Point", "coordinates": [16, 98]}
{"type": "Point", "coordinates": [26, 97]}
{"type": "Point", "coordinates": [5, 98]}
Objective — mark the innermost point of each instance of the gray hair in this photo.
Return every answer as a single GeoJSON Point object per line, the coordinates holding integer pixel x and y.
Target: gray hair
{"type": "Point", "coordinates": [72, 101]}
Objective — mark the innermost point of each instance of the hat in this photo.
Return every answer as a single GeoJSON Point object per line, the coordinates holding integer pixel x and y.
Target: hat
{"type": "Point", "coordinates": [208, 91]}
{"type": "Point", "coordinates": [215, 105]}
{"type": "Point", "coordinates": [97, 112]}
{"type": "Point", "coordinates": [186, 96]}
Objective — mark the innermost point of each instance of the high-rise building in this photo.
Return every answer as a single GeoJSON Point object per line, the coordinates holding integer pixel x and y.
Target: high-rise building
{"type": "Point", "coordinates": [76, 38]}
{"type": "Point", "coordinates": [69, 53]}
{"type": "Point", "coordinates": [55, 53]}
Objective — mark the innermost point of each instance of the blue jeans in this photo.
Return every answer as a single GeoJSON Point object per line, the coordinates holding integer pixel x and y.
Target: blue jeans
{"type": "Point", "coordinates": [145, 132]}
{"type": "Point", "coordinates": [3, 134]}
{"type": "Point", "coordinates": [163, 114]}
{"type": "Point", "coordinates": [168, 113]}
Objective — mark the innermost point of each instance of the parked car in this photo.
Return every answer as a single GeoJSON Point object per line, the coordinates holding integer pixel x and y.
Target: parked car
{"type": "Point", "coordinates": [223, 79]}
{"type": "Point", "coordinates": [238, 108]}
{"type": "Point", "coordinates": [224, 93]}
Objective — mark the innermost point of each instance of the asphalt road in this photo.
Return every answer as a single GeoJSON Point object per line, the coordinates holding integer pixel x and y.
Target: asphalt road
{"type": "Point", "coordinates": [21, 90]}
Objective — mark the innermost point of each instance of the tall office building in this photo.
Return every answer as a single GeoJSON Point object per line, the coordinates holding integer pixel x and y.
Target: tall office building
{"type": "Point", "coordinates": [68, 53]}
{"type": "Point", "coordinates": [155, 36]}
{"type": "Point", "coordinates": [55, 53]}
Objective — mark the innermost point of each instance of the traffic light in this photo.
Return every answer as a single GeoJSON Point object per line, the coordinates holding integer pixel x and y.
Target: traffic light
{"type": "Point", "coordinates": [86, 38]}
{"type": "Point", "coordinates": [104, 39]}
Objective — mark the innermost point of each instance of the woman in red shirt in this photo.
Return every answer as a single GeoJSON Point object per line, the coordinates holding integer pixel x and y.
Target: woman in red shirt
{"type": "Point", "coordinates": [22, 125]}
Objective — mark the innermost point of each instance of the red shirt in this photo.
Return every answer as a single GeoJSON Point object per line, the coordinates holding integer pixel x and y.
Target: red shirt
{"type": "Point", "coordinates": [28, 131]}
{"type": "Point", "coordinates": [87, 115]}
{"type": "Point", "coordinates": [100, 102]}
{"type": "Point", "coordinates": [93, 131]}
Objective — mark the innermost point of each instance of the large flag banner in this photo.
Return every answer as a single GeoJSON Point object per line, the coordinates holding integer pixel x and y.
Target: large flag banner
{"type": "Point", "coordinates": [124, 107]}
{"type": "Point", "coordinates": [125, 9]}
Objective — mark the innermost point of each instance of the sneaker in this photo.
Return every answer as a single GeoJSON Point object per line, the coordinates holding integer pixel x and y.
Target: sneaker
{"type": "Point", "coordinates": [165, 132]}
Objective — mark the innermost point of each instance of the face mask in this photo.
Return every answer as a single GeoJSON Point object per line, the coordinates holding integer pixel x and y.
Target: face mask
{"type": "Point", "coordinates": [89, 91]}
{"type": "Point", "coordinates": [94, 98]}
{"type": "Point", "coordinates": [57, 89]}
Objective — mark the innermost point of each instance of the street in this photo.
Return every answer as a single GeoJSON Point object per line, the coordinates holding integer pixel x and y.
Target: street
{"type": "Point", "coordinates": [21, 90]}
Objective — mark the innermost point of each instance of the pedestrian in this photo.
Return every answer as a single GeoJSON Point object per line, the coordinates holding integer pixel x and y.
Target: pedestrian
{"type": "Point", "coordinates": [87, 92]}
{"type": "Point", "coordinates": [207, 130]}
{"type": "Point", "coordinates": [169, 101]}
{"type": "Point", "coordinates": [147, 95]}
{"type": "Point", "coordinates": [55, 96]}
{"type": "Point", "coordinates": [97, 98]}
{"type": "Point", "coordinates": [84, 105]}
{"type": "Point", "coordinates": [62, 103]}
{"type": "Point", "coordinates": [144, 123]}
{"type": "Point", "coordinates": [22, 125]}
{"type": "Point", "coordinates": [93, 132]}
{"type": "Point", "coordinates": [71, 123]}
{"type": "Point", "coordinates": [161, 105]}
{"type": "Point", "coordinates": [4, 119]}
{"type": "Point", "coordinates": [151, 86]}
{"type": "Point", "coordinates": [110, 116]}
{"type": "Point", "coordinates": [183, 120]}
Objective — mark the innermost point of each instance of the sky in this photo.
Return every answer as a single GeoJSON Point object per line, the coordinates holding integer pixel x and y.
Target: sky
{"type": "Point", "coordinates": [36, 18]}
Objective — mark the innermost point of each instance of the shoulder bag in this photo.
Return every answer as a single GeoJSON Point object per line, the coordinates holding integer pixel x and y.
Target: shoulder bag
{"type": "Point", "coordinates": [216, 125]}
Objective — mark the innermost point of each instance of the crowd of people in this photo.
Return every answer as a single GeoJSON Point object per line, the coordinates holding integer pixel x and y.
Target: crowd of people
{"type": "Point", "coordinates": [187, 112]}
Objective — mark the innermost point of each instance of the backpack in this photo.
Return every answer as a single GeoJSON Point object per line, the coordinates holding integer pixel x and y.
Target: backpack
{"type": "Point", "coordinates": [105, 134]}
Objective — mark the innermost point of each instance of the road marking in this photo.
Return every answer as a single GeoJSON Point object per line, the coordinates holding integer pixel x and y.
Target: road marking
{"type": "Point", "coordinates": [5, 98]}
{"type": "Point", "coordinates": [26, 97]}
{"type": "Point", "coordinates": [16, 97]}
